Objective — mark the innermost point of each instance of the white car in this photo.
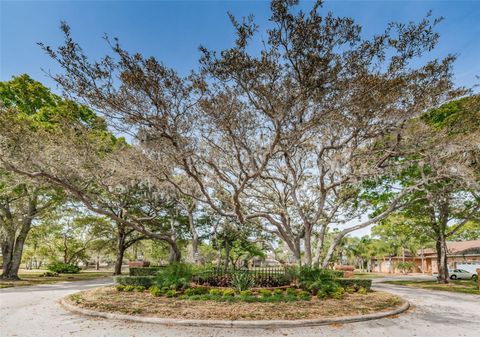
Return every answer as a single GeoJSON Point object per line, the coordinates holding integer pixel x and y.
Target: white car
{"type": "Point", "coordinates": [461, 274]}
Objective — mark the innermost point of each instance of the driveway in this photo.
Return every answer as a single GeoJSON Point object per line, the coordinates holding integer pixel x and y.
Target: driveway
{"type": "Point", "coordinates": [34, 311]}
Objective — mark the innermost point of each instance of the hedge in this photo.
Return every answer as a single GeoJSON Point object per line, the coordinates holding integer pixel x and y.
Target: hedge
{"type": "Point", "coordinates": [354, 283]}
{"type": "Point", "coordinates": [144, 271]}
{"type": "Point", "coordinates": [64, 268]}
{"type": "Point", "coordinates": [145, 281]}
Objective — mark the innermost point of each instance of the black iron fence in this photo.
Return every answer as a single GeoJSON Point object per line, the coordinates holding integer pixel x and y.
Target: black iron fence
{"type": "Point", "coordinates": [262, 277]}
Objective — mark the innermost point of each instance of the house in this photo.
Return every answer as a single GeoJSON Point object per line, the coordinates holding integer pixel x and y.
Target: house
{"type": "Point", "coordinates": [461, 255]}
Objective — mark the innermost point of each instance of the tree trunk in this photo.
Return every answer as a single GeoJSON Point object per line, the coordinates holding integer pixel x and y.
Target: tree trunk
{"type": "Point", "coordinates": [441, 246]}
{"type": "Point", "coordinates": [65, 249]}
{"type": "Point", "coordinates": [227, 255]}
{"type": "Point", "coordinates": [319, 247]}
{"type": "Point", "coordinates": [12, 249]}
{"type": "Point", "coordinates": [331, 251]}
{"type": "Point", "coordinates": [308, 247]}
{"type": "Point", "coordinates": [175, 254]}
{"type": "Point", "coordinates": [121, 247]}
{"type": "Point", "coordinates": [194, 237]}
{"type": "Point", "coordinates": [7, 254]}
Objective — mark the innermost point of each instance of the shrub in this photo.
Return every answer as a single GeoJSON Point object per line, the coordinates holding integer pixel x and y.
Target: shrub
{"type": "Point", "coordinates": [321, 294]}
{"type": "Point", "coordinates": [195, 291]}
{"type": "Point", "coordinates": [120, 287]}
{"type": "Point", "coordinates": [362, 291]}
{"type": "Point", "coordinates": [143, 271]}
{"type": "Point", "coordinates": [242, 280]}
{"type": "Point", "coordinates": [129, 288]}
{"type": "Point", "coordinates": [245, 293]}
{"type": "Point", "coordinates": [351, 290]}
{"type": "Point", "coordinates": [139, 289]}
{"type": "Point", "coordinates": [215, 292]}
{"type": "Point", "coordinates": [277, 292]}
{"type": "Point", "coordinates": [64, 268]}
{"type": "Point", "coordinates": [175, 276]}
{"type": "Point", "coordinates": [171, 293]}
{"type": "Point", "coordinates": [291, 291]}
{"type": "Point", "coordinates": [265, 293]}
{"type": "Point", "coordinates": [303, 295]}
{"type": "Point", "coordinates": [354, 283]}
{"type": "Point", "coordinates": [228, 293]}
{"type": "Point", "coordinates": [145, 281]}
{"type": "Point", "coordinates": [339, 293]}
{"type": "Point", "coordinates": [327, 285]}
{"type": "Point", "coordinates": [309, 274]}
{"type": "Point", "coordinates": [155, 291]}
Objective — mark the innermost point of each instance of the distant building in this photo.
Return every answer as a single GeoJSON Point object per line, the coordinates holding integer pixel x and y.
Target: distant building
{"type": "Point", "coordinates": [461, 255]}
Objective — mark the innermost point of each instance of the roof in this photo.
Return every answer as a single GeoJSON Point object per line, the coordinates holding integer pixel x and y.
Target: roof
{"type": "Point", "coordinates": [454, 247]}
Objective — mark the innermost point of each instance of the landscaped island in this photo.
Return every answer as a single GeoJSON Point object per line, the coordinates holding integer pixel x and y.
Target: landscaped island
{"type": "Point", "coordinates": [108, 299]}
{"type": "Point", "coordinates": [181, 291]}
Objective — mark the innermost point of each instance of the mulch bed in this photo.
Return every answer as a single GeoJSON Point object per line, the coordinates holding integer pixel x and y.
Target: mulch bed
{"type": "Point", "coordinates": [108, 299]}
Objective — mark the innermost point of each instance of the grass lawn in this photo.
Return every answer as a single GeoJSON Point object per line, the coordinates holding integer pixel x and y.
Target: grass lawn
{"type": "Point", "coordinates": [458, 286]}
{"type": "Point", "coordinates": [28, 278]}
{"type": "Point", "coordinates": [108, 299]}
{"type": "Point", "coordinates": [363, 275]}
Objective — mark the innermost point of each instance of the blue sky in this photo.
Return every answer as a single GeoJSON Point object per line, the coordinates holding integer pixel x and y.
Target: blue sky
{"type": "Point", "coordinates": [173, 30]}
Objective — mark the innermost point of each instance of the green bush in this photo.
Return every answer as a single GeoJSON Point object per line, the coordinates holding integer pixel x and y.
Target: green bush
{"type": "Point", "coordinates": [144, 271]}
{"type": "Point", "coordinates": [354, 283]}
{"type": "Point", "coordinates": [338, 294]}
{"type": "Point", "coordinates": [120, 287]}
{"type": "Point", "coordinates": [362, 291]}
{"type": "Point", "coordinates": [175, 276]}
{"type": "Point", "coordinates": [245, 293]}
{"type": "Point", "coordinates": [155, 291]}
{"type": "Point", "coordinates": [145, 281]}
{"type": "Point", "coordinates": [242, 280]}
{"type": "Point", "coordinates": [265, 292]}
{"type": "Point", "coordinates": [64, 268]}
{"type": "Point", "coordinates": [171, 293]}
{"type": "Point", "coordinates": [139, 289]}
{"type": "Point", "coordinates": [195, 291]}
{"type": "Point", "coordinates": [277, 292]}
{"type": "Point", "coordinates": [327, 285]}
{"type": "Point", "coordinates": [303, 295]}
{"type": "Point", "coordinates": [129, 288]}
{"type": "Point", "coordinates": [291, 291]}
{"type": "Point", "coordinates": [321, 294]}
{"type": "Point", "coordinates": [228, 293]}
{"type": "Point", "coordinates": [215, 292]}
{"type": "Point", "coordinates": [309, 274]}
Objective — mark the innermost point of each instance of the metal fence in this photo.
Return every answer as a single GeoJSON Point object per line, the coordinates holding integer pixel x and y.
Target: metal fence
{"type": "Point", "coordinates": [263, 276]}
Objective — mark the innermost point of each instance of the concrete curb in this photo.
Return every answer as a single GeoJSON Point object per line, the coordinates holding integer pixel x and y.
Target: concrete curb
{"type": "Point", "coordinates": [236, 324]}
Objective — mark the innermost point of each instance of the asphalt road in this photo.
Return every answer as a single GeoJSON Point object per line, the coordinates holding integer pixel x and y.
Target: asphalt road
{"type": "Point", "coordinates": [34, 311]}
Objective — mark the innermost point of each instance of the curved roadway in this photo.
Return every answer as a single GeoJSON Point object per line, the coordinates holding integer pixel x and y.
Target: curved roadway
{"type": "Point", "coordinates": [34, 311]}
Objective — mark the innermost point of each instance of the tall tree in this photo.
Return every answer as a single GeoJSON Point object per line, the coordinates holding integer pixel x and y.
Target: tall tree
{"type": "Point", "coordinates": [285, 136]}
{"type": "Point", "coordinates": [22, 200]}
{"type": "Point", "coordinates": [441, 208]}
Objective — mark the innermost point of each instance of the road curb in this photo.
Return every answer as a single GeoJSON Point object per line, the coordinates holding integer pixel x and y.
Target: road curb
{"type": "Point", "coordinates": [235, 324]}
